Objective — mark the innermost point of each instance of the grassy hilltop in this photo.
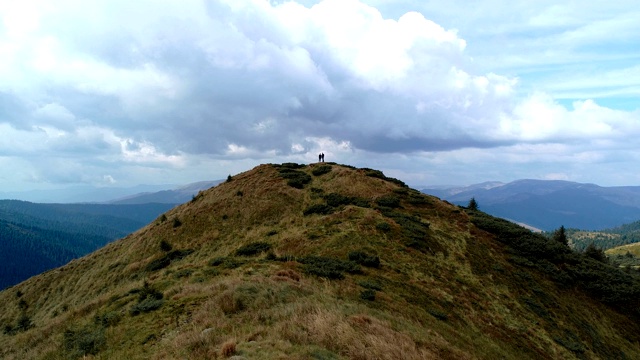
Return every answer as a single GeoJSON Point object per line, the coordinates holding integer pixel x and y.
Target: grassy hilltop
{"type": "Point", "coordinates": [324, 261]}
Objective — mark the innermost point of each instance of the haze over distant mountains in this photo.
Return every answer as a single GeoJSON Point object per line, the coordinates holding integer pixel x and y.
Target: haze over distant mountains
{"type": "Point", "coordinates": [140, 194]}
{"type": "Point", "coordinates": [548, 204]}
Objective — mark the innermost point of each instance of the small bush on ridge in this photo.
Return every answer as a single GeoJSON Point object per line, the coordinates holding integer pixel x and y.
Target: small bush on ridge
{"type": "Point", "coordinates": [253, 249]}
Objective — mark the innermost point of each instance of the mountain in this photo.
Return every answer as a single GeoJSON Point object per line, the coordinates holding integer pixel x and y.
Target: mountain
{"type": "Point", "coordinates": [80, 194]}
{"type": "Point", "coordinates": [175, 196]}
{"type": "Point", "coordinates": [324, 261]}
{"type": "Point", "coordinates": [38, 237]}
{"type": "Point", "coordinates": [547, 204]}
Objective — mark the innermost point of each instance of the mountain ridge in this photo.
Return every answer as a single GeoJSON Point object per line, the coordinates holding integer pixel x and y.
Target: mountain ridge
{"type": "Point", "coordinates": [549, 204]}
{"type": "Point", "coordinates": [324, 261]}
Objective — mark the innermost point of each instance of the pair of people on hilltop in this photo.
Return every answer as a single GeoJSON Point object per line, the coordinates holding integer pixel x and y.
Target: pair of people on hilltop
{"type": "Point", "coordinates": [321, 157]}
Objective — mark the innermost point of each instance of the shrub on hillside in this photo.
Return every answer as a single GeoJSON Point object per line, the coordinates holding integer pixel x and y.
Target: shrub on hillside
{"type": "Point", "coordinates": [383, 226]}
{"type": "Point", "coordinates": [328, 267]}
{"type": "Point", "coordinates": [374, 173]}
{"type": "Point", "coordinates": [601, 281]}
{"type": "Point", "coordinates": [157, 264]}
{"type": "Point", "coordinates": [290, 165]}
{"type": "Point", "coordinates": [253, 249]}
{"type": "Point", "coordinates": [149, 299]}
{"type": "Point", "coordinates": [414, 231]}
{"type": "Point", "coordinates": [364, 259]}
{"type": "Point", "coordinates": [295, 178]}
{"type": "Point", "coordinates": [371, 284]}
{"type": "Point", "coordinates": [179, 254]}
{"type": "Point", "coordinates": [595, 253]}
{"type": "Point", "coordinates": [165, 246]}
{"type": "Point", "coordinates": [378, 174]}
{"type": "Point", "coordinates": [87, 340]}
{"type": "Point", "coordinates": [335, 199]}
{"type": "Point", "coordinates": [107, 319]}
{"type": "Point", "coordinates": [23, 323]}
{"type": "Point", "coordinates": [390, 201]}
{"type": "Point", "coordinates": [164, 261]}
{"type": "Point", "coordinates": [322, 209]}
{"type": "Point", "coordinates": [226, 262]}
{"type": "Point", "coordinates": [321, 170]}
{"type": "Point", "coordinates": [368, 295]}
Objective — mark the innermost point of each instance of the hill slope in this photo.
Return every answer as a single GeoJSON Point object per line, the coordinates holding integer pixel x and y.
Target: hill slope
{"type": "Point", "coordinates": [548, 204]}
{"type": "Point", "coordinates": [324, 262]}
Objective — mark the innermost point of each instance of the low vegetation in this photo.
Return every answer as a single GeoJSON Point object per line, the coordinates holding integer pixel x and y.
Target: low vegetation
{"type": "Point", "coordinates": [325, 261]}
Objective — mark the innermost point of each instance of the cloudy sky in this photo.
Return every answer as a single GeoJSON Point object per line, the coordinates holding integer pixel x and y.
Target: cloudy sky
{"type": "Point", "coordinates": [118, 93]}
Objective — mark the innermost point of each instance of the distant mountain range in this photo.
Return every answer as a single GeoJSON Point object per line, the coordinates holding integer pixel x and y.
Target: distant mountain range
{"type": "Point", "coordinates": [176, 196]}
{"type": "Point", "coordinates": [549, 204]}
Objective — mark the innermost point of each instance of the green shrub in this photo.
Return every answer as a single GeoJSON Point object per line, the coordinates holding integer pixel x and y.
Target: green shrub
{"type": "Point", "coordinates": [595, 253]}
{"type": "Point", "coordinates": [149, 299]}
{"type": "Point", "coordinates": [390, 201]}
{"type": "Point", "coordinates": [164, 261]}
{"type": "Point", "coordinates": [23, 323]}
{"type": "Point", "coordinates": [383, 226]}
{"type": "Point", "coordinates": [368, 295]}
{"type": "Point", "coordinates": [177, 223]}
{"type": "Point", "coordinates": [371, 284]}
{"type": "Point", "coordinates": [296, 179]}
{"type": "Point", "coordinates": [165, 246]}
{"type": "Point", "coordinates": [217, 261]}
{"type": "Point", "coordinates": [322, 209]}
{"type": "Point", "coordinates": [179, 254]}
{"type": "Point", "coordinates": [146, 306]}
{"type": "Point", "coordinates": [374, 173]}
{"type": "Point", "coordinates": [327, 267]}
{"type": "Point", "coordinates": [226, 262]}
{"type": "Point", "coordinates": [364, 259]}
{"type": "Point", "coordinates": [272, 232]}
{"type": "Point", "coordinates": [321, 170]}
{"type": "Point", "coordinates": [253, 249]}
{"type": "Point", "coordinates": [335, 199]}
{"type": "Point", "coordinates": [290, 165]}
{"type": "Point", "coordinates": [414, 231]}
{"type": "Point", "coordinates": [183, 273]}
{"type": "Point", "coordinates": [88, 340]}
{"type": "Point", "coordinates": [159, 263]}
{"type": "Point", "coordinates": [107, 319]}
{"type": "Point", "coordinates": [378, 174]}
{"type": "Point", "coordinates": [438, 314]}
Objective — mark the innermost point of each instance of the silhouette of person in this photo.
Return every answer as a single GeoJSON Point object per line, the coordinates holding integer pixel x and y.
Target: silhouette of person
{"type": "Point", "coordinates": [319, 157]}
{"type": "Point", "coordinates": [322, 156]}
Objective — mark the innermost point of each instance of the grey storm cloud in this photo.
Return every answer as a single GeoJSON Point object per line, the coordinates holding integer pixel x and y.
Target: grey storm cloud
{"type": "Point", "coordinates": [147, 84]}
{"type": "Point", "coordinates": [239, 77]}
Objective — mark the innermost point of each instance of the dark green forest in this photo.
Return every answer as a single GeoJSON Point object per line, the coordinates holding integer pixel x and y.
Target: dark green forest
{"type": "Point", "coordinates": [38, 237]}
{"type": "Point", "coordinates": [605, 239]}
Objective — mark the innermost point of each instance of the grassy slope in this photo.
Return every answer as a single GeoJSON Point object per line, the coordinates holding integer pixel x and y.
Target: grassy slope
{"type": "Point", "coordinates": [456, 294]}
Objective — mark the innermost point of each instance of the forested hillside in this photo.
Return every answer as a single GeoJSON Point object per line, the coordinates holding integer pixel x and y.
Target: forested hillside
{"type": "Point", "coordinates": [37, 237]}
{"type": "Point", "coordinates": [605, 239]}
